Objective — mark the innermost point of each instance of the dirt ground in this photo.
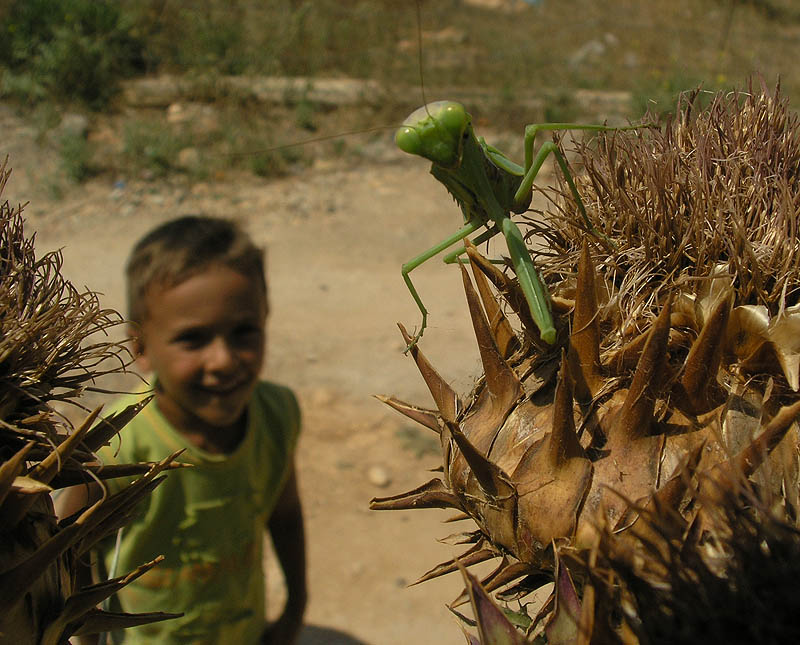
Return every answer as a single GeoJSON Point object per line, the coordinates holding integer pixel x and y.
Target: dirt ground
{"type": "Point", "coordinates": [336, 239]}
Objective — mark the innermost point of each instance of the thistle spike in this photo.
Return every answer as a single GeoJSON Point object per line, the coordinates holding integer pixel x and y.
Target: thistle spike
{"type": "Point", "coordinates": [427, 418]}
{"type": "Point", "coordinates": [636, 415]}
{"type": "Point", "coordinates": [112, 510]}
{"type": "Point", "coordinates": [474, 555]}
{"type": "Point", "coordinates": [433, 494]}
{"type": "Point", "coordinates": [493, 626]}
{"type": "Point", "coordinates": [470, 537]}
{"type": "Point", "coordinates": [563, 441]}
{"type": "Point", "coordinates": [749, 459]}
{"type": "Point", "coordinates": [508, 288]}
{"type": "Point", "coordinates": [443, 395]}
{"type": "Point", "coordinates": [71, 475]}
{"type": "Point", "coordinates": [562, 628]}
{"type": "Point", "coordinates": [528, 584]}
{"type": "Point", "coordinates": [503, 383]}
{"type": "Point", "coordinates": [668, 496]}
{"type": "Point", "coordinates": [11, 468]}
{"type": "Point", "coordinates": [45, 470]}
{"type": "Point", "coordinates": [507, 342]}
{"type": "Point", "coordinates": [584, 344]}
{"type": "Point", "coordinates": [705, 356]}
{"type": "Point", "coordinates": [552, 477]}
{"type": "Point", "coordinates": [110, 522]}
{"type": "Point", "coordinates": [493, 481]}
{"type": "Point", "coordinates": [106, 621]}
{"type": "Point", "coordinates": [14, 582]}
{"type": "Point", "coordinates": [458, 517]}
{"type": "Point", "coordinates": [485, 582]}
{"type": "Point", "coordinates": [634, 454]}
{"type": "Point", "coordinates": [506, 573]}
{"type": "Point", "coordinates": [85, 600]}
{"type": "Point", "coordinates": [106, 428]}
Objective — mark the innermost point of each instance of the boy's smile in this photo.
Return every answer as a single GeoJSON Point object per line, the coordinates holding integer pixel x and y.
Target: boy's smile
{"type": "Point", "coordinates": [204, 341]}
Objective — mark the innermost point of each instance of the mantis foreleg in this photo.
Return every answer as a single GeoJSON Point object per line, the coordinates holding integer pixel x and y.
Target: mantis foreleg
{"type": "Point", "coordinates": [535, 293]}
{"type": "Point", "coordinates": [409, 266]}
{"type": "Point", "coordinates": [488, 234]}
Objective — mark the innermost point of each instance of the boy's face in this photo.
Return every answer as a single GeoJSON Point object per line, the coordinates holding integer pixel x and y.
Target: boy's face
{"type": "Point", "coordinates": [204, 340]}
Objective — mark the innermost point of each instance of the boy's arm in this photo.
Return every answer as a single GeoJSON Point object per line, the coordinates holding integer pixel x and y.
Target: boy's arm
{"type": "Point", "coordinates": [67, 502]}
{"type": "Point", "coordinates": [285, 526]}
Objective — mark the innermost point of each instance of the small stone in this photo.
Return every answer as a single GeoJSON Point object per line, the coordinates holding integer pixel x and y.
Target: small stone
{"type": "Point", "coordinates": [321, 397]}
{"type": "Point", "coordinates": [378, 476]}
{"type": "Point", "coordinates": [188, 158]}
{"type": "Point", "coordinates": [74, 125]}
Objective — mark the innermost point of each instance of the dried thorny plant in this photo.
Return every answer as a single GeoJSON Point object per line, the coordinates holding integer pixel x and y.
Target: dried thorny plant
{"type": "Point", "coordinates": [44, 324]}
{"type": "Point", "coordinates": [731, 582]}
{"type": "Point", "coordinates": [710, 192]}
{"type": "Point", "coordinates": [47, 355]}
{"type": "Point", "coordinates": [677, 374]}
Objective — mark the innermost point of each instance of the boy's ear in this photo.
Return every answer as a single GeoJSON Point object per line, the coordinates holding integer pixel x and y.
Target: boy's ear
{"type": "Point", "coordinates": [137, 342]}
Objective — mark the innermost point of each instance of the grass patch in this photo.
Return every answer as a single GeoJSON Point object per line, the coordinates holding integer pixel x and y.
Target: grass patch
{"type": "Point", "coordinates": [76, 154]}
{"type": "Point", "coordinates": [152, 146]}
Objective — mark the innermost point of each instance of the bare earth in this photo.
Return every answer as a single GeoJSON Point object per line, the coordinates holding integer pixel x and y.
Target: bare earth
{"type": "Point", "coordinates": [336, 239]}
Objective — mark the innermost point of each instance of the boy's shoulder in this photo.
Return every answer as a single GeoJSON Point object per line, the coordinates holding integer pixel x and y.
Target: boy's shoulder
{"type": "Point", "coordinates": [275, 394]}
{"type": "Point", "coordinates": [279, 404]}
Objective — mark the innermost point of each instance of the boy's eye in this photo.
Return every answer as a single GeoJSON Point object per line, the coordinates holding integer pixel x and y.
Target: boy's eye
{"type": "Point", "coordinates": [247, 335]}
{"type": "Point", "coordinates": [192, 339]}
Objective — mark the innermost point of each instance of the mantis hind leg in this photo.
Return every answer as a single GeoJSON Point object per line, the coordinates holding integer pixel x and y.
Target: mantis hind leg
{"type": "Point", "coordinates": [534, 164]}
{"type": "Point", "coordinates": [409, 266]}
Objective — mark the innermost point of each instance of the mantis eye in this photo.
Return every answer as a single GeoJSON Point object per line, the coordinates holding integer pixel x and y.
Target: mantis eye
{"type": "Point", "coordinates": [408, 140]}
{"type": "Point", "coordinates": [453, 117]}
{"type": "Point", "coordinates": [434, 131]}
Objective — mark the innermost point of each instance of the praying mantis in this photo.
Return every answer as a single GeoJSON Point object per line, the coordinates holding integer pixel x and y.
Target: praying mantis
{"type": "Point", "coordinates": [488, 187]}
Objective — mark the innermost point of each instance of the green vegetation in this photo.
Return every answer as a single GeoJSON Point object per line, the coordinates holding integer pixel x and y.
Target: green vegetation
{"type": "Point", "coordinates": [68, 50]}
{"type": "Point", "coordinates": [75, 156]}
{"type": "Point", "coordinates": [78, 52]}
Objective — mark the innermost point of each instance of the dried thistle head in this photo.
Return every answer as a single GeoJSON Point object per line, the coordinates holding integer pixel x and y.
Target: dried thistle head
{"type": "Point", "coordinates": [47, 355]}
{"type": "Point", "coordinates": [45, 322]}
{"type": "Point", "coordinates": [710, 193]}
{"type": "Point", "coordinates": [679, 362]}
{"type": "Point", "coordinates": [734, 582]}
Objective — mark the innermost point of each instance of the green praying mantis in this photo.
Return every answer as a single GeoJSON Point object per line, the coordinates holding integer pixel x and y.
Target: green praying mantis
{"type": "Point", "coordinates": [488, 187]}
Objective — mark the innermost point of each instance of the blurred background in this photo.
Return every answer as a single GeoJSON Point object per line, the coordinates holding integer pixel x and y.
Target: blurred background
{"type": "Point", "coordinates": [515, 61]}
{"type": "Point", "coordinates": [119, 114]}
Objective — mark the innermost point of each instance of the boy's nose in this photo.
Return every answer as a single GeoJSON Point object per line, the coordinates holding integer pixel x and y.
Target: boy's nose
{"type": "Point", "coordinates": [220, 356]}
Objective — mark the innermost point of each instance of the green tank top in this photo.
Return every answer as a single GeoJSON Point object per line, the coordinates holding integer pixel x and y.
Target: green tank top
{"type": "Point", "coordinates": [208, 521]}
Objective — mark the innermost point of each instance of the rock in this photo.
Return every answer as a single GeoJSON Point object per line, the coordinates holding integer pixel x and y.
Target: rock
{"type": "Point", "coordinates": [379, 476]}
{"type": "Point", "coordinates": [73, 125]}
{"type": "Point", "coordinates": [188, 158]}
{"type": "Point", "coordinates": [160, 91]}
{"type": "Point", "coordinates": [200, 119]}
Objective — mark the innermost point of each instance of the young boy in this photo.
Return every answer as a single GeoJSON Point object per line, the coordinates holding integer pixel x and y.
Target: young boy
{"type": "Point", "coordinates": [197, 300]}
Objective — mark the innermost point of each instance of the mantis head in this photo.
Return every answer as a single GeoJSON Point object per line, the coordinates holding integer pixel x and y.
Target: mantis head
{"type": "Point", "coordinates": [435, 132]}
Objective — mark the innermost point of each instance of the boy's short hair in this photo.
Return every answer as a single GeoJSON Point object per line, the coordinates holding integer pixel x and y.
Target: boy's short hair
{"type": "Point", "coordinates": [183, 247]}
